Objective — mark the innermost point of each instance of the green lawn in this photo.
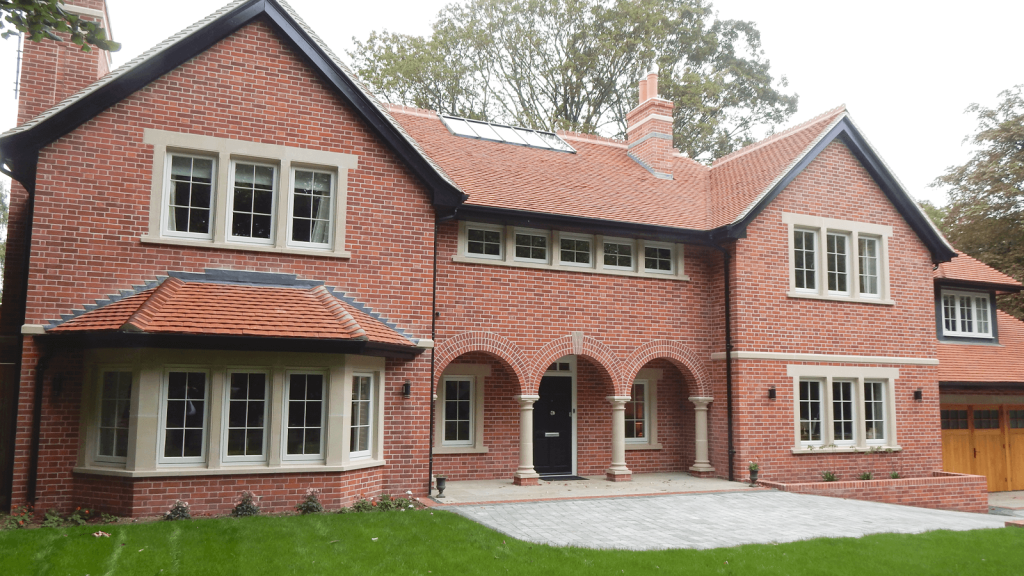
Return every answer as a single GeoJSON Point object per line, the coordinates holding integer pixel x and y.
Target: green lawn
{"type": "Point", "coordinates": [442, 543]}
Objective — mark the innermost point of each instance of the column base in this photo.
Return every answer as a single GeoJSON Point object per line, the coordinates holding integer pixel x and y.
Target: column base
{"type": "Point", "coordinates": [702, 472]}
{"type": "Point", "coordinates": [618, 475]}
{"type": "Point", "coordinates": [526, 479]}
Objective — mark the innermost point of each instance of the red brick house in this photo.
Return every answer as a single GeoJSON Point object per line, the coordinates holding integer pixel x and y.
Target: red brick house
{"type": "Point", "coordinates": [231, 267]}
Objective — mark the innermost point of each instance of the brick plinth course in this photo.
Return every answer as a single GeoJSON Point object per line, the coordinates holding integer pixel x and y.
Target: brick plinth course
{"type": "Point", "coordinates": [941, 490]}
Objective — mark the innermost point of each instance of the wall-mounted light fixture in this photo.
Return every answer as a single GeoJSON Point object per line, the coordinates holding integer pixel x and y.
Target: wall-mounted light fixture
{"type": "Point", "coordinates": [918, 395]}
{"type": "Point", "coordinates": [407, 389]}
{"type": "Point", "coordinates": [771, 393]}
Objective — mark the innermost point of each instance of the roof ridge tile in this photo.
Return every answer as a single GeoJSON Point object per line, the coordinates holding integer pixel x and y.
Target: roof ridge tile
{"type": "Point", "coordinates": [335, 307]}
{"type": "Point", "coordinates": [140, 319]}
{"type": "Point", "coordinates": [778, 136]}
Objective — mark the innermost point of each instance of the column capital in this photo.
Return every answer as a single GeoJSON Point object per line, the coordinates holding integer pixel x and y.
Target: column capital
{"type": "Point", "coordinates": [618, 400]}
{"type": "Point", "coordinates": [701, 402]}
{"type": "Point", "coordinates": [526, 400]}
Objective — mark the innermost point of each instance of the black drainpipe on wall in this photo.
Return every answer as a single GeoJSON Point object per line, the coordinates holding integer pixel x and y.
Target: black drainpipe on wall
{"type": "Point", "coordinates": [726, 259]}
{"type": "Point", "coordinates": [433, 336]}
{"type": "Point", "coordinates": [37, 424]}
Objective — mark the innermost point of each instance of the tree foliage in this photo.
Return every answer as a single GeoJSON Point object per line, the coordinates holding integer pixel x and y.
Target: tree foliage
{"type": "Point", "coordinates": [574, 64]}
{"type": "Point", "coordinates": [39, 19]}
{"type": "Point", "coordinates": [985, 215]}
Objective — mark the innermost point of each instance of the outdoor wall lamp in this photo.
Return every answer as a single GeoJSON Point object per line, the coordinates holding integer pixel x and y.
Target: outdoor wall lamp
{"type": "Point", "coordinates": [918, 395]}
{"type": "Point", "coordinates": [771, 393]}
{"type": "Point", "coordinates": [407, 389]}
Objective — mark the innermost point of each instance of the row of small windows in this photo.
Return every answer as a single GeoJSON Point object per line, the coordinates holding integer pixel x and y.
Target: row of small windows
{"type": "Point", "coordinates": [846, 412]}
{"type": "Point", "coordinates": [838, 263]}
{"type": "Point", "coordinates": [572, 250]}
{"type": "Point", "coordinates": [252, 202]}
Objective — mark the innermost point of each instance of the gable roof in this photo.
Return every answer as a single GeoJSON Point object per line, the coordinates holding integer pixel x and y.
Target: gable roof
{"type": "Point", "coordinates": [964, 270]}
{"type": "Point", "coordinates": [601, 187]}
{"type": "Point", "coordinates": [968, 363]}
{"type": "Point", "coordinates": [18, 147]}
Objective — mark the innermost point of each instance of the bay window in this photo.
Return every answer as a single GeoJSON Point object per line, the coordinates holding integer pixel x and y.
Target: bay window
{"type": "Point", "coordinates": [115, 413]}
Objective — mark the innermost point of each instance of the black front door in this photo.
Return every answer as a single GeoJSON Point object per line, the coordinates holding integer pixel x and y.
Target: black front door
{"type": "Point", "coordinates": [552, 426]}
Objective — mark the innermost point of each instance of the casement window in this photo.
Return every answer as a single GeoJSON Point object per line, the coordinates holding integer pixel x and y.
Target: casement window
{"type": "Point", "coordinates": [238, 195]}
{"type": "Point", "coordinates": [619, 254]}
{"type": "Point", "coordinates": [252, 202]}
{"type": "Point", "coordinates": [246, 406]}
{"type": "Point", "coordinates": [312, 208]}
{"type": "Point", "coordinates": [838, 259]}
{"type": "Point", "coordinates": [115, 415]}
{"type": "Point", "coordinates": [361, 439]}
{"type": "Point", "coordinates": [966, 314]}
{"type": "Point", "coordinates": [484, 242]}
{"type": "Point", "coordinates": [184, 416]}
{"type": "Point", "coordinates": [304, 416]}
{"type": "Point", "coordinates": [576, 250]}
{"type": "Point", "coordinates": [189, 196]}
{"type": "Point", "coordinates": [637, 413]}
{"type": "Point", "coordinates": [458, 411]}
{"type": "Point", "coordinates": [531, 246]}
{"type": "Point", "coordinates": [658, 258]}
{"type": "Point", "coordinates": [843, 408]}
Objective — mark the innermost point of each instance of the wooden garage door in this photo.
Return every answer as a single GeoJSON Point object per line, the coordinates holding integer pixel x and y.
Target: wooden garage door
{"type": "Point", "coordinates": [987, 440]}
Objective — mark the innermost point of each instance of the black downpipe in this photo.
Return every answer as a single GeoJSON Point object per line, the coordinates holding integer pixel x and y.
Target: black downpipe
{"type": "Point", "coordinates": [37, 424]}
{"type": "Point", "coordinates": [433, 336]}
{"type": "Point", "coordinates": [726, 259]}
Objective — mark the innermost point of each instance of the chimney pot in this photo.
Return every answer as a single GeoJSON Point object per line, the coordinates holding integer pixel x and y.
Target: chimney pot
{"type": "Point", "coordinates": [643, 91]}
{"type": "Point", "coordinates": [649, 130]}
{"type": "Point", "coordinates": [652, 85]}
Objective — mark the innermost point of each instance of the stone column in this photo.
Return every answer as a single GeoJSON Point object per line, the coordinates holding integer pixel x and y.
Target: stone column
{"type": "Point", "coordinates": [618, 472]}
{"type": "Point", "coordinates": [525, 474]}
{"type": "Point", "coordinates": [701, 465]}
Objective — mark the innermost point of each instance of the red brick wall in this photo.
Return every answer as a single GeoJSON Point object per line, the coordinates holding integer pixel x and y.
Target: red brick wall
{"type": "Point", "coordinates": [940, 490]}
{"type": "Point", "coordinates": [675, 415]}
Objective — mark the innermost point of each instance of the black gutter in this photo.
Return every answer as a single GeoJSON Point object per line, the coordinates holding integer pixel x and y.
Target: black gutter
{"type": "Point", "coordinates": [726, 259]}
{"type": "Point", "coordinates": [433, 336]}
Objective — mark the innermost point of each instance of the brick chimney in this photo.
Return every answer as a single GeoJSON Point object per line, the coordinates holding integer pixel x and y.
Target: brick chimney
{"type": "Point", "coordinates": [51, 71]}
{"type": "Point", "coordinates": [649, 130]}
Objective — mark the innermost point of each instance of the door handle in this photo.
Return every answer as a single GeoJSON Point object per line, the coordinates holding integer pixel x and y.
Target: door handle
{"type": "Point", "coordinates": [975, 452]}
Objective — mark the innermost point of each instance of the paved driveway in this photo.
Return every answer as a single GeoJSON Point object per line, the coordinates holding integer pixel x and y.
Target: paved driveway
{"type": "Point", "coordinates": [709, 520]}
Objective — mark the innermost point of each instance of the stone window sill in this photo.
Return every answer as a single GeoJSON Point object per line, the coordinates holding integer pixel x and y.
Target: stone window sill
{"type": "Point", "coordinates": [847, 450]}
{"type": "Point", "coordinates": [643, 446]}
{"type": "Point", "coordinates": [812, 296]}
{"type": "Point", "coordinates": [243, 247]}
{"type": "Point", "coordinates": [568, 268]}
{"type": "Point", "coordinates": [460, 449]}
{"type": "Point", "coordinates": [223, 471]}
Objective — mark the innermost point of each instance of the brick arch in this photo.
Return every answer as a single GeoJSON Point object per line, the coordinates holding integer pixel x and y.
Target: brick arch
{"type": "Point", "coordinates": [502, 348]}
{"type": "Point", "coordinates": [578, 345]}
{"type": "Point", "coordinates": [675, 352]}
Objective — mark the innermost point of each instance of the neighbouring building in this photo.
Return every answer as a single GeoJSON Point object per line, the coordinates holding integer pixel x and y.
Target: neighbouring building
{"type": "Point", "coordinates": [231, 267]}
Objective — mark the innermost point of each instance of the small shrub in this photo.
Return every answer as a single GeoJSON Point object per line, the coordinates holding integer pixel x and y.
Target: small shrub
{"type": "Point", "coordinates": [386, 503]}
{"type": "Point", "coordinates": [867, 476]}
{"type": "Point", "coordinates": [403, 503]}
{"type": "Point", "coordinates": [179, 511]}
{"type": "Point", "coordinates": [20, 517]}
{"type": "Point", "coordinates": [310, 502]}
{"type": "Point", "coordinates": [52, 519]}
{"type": "Point", "coordinates": [894, 475]}
{"type": "Point", "coordinates": [829, 476]}
{"type": "Point", "coordinates": [362, 505]}
{"type": "Point", "coordinates": [79, 517]}
{"type": "Point", "coordinates": [109, 518]}
{"type": "Point", "coordinates": [754, 466]}
{"type": "Point", "coordinates": [246, 505]}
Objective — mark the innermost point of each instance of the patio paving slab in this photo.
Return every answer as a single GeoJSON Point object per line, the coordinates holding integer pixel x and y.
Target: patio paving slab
{"type": "Point", "coordinates": [709, 520]}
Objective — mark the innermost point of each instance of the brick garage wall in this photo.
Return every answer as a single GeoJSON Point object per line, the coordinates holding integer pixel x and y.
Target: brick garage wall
{"type": "Point", "coordinates": [92, 206]}
{"type": "Point", "coordinates": [940, 490]}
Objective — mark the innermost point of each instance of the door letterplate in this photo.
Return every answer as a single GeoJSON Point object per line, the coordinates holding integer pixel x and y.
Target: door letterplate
{"type": "Point", "coordinates": [551, 434]}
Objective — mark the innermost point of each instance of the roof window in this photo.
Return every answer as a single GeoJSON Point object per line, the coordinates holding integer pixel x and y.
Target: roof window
{"type": "Point", "coordinates": [507, 134]}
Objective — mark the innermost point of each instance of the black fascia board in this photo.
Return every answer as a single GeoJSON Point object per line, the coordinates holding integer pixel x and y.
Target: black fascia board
{"type": "Point", "coordinates": [506, 216]}
{"type": "Point", "coordinates": [88, 107]}
{"type": "Point", "coordinates": [117, 339]}
{"type": "Point", "coordinates": [972, 285]}
{"type": "Point", "coordinates": [961, 384]}
{"type": "Point", "coordinates": [845, 130]}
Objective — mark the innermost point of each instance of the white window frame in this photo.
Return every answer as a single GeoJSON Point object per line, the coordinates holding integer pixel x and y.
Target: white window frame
{"type": "Point", "coordinates": [226, 413]}
{"type": "Point", "coordinates": [814, 260]}
{"type": "Point", "coordinates": [502, 249]}
{"type": "Point", "coordinates": [371, 425]}
{"type": "Point", "coordinates": [855, 417]}
{"type": "Point", "coordinates": [647, 412]}
{"type": "Point", "coordinates": [472, 410]}
{"type": "Point", "coordinates": [845, 275]}
{"type": "Point", "coordinates": [885, 411]}
{"type": "Point", "coordinates": [532, 232]}
{"type": "Point", "coordinates": [878, 266]}
{"type": "Point", "coordinates": [822, 227]}
{"type": "Point", "coordinates": [826, 376]}
{"type": "Point", "coordinates": [165, 207]}
{"type": "Point", "coordinates": [822, 407]}
{"type": "Point", "coordinates": [225, 151]}
{"type": "Point", "coordinates": [577, 237]}
{"type": "Point", "coordinates": [671, 258]}
{"type": "Point", "coordinates": [231, 202]}
{"type": "Point", "coordinates": [291, 209]}
{"type": "Point", "coordinates": [99, 413]}
{"type": "Point", "coordinates": [621, 241]}
{"type": "Point", "coordinates": [973, 296]}
{"type": "Point", "coordinates": [161, 436]}
{"type": "Point", "coordinates": [286, 389]}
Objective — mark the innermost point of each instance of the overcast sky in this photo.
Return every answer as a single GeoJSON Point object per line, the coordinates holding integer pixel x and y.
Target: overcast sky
{"type": "Point", "coordinates": [905, 69]}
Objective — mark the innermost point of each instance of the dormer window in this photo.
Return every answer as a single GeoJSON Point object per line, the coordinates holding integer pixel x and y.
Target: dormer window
{"type": "Point", "coordinates": [966, 314]}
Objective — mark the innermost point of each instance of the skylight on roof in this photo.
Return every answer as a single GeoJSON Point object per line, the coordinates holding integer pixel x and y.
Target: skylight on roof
{"type": "Point", "coordinates": [506, 134]}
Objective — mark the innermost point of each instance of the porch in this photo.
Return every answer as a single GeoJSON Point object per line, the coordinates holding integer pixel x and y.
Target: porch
{"type": "Point", "coordinates": [505, 490]}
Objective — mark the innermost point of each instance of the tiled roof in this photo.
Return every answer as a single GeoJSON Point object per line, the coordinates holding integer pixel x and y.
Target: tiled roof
{"type": "Point", "coordinates": [601, 181]}
{"type": "Point", "coordinates": [178, 306]}
{"type": "Point", "coordinates": [967, 269]}
{"type": "Point", "coordinates": [986, 363]}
